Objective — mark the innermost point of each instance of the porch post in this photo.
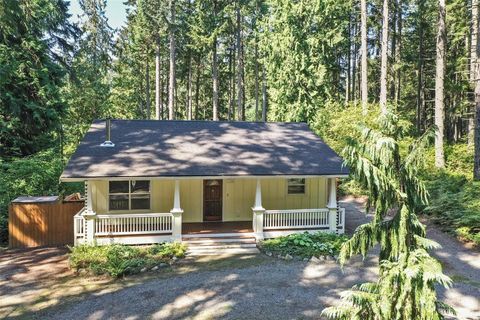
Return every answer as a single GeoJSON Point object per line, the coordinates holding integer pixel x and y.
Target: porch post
{"type": "Point", "coordinates": [89, 214]}
{"type": "Point", "coordinates": [177, 214]}
{"type": "Point", "coordinates": [258, 211]}
{"type": "Point", "coordinates": [332, 205]}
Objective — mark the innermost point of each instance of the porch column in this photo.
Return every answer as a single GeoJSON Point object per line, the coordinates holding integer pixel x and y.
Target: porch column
{"type": "Point", "coordinates": [258, 211]}
{"type": "Point", "coordinates": [332, 205]}
{"type": "Point", "coordinates": [89, 214]}
{"type": "Point", "coordinates": [177, 214]}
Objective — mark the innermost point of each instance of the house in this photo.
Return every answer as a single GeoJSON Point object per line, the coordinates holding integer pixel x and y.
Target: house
{"type": "Point", "coordinates": [149, 181]}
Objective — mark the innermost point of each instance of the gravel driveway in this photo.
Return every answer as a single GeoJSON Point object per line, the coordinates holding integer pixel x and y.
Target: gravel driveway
{"type": "Point", "coordinates": [258, 287]}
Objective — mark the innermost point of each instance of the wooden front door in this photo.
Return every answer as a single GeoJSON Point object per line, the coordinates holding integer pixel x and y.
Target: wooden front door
{"type": "Point", "coordinates": [212, 200]}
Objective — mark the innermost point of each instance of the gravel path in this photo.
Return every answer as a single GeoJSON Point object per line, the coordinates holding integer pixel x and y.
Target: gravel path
{"type": "Point", "coordinates": [264, 288]}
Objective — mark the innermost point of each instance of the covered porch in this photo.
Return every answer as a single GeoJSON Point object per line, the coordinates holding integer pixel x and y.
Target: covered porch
{"type": "Point", "coordinates": [155, 227]}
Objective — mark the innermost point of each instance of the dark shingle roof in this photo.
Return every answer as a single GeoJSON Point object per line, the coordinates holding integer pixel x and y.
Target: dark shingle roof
{"type": "Point", "coordinates": [152, 148]}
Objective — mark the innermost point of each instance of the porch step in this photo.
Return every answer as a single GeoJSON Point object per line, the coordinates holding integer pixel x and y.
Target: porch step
{"type": "Point", "coordinates": [216, 241]}
{"type": "Point", "coordinates": [219, 235]}
{"type": "Point", "coordinates": [220, 243]}
{"type": "Point", "coordinates": [206, 251]}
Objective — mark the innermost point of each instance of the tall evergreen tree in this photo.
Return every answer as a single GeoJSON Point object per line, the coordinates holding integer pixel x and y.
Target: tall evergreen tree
{"type": "Point", "coordinates": [89, 86]}
{"type": "Point", "coordinates": [34, 56]}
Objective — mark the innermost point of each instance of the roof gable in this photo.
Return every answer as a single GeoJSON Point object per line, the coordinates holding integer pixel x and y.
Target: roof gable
{"type": "Point", "coordinates": [152, 148]}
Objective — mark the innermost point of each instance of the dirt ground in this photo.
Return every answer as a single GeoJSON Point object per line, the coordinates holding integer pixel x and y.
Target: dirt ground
{"type": "Point", "coordinates": [37, 284]}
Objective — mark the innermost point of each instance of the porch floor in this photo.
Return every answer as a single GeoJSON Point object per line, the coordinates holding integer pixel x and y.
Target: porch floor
{"type": "Point", "coordinates": [217, 227]}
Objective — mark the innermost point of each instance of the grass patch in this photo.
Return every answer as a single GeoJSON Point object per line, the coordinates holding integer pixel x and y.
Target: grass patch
{"type": "Point", "coordinates": [119, 260]}
{"type": "Point", "coordinates": [305, 245]}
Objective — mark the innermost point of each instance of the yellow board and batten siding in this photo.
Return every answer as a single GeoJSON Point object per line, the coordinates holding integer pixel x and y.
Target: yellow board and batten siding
{"type": "Point", "coordinates": [238, 197]}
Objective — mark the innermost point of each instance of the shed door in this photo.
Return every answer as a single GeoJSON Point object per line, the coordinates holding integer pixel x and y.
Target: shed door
{"type": "Point", "coordinates": [212, 200]}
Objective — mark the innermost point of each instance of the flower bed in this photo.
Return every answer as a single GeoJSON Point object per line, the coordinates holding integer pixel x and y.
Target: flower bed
{"type": "Point", "coordinates": [118, 260]}
{"type": "Point", "coordinates": [304, 245]}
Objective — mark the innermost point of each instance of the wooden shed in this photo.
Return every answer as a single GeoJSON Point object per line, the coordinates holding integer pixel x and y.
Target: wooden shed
{"type": "Point", "coordinates": [41, 221]}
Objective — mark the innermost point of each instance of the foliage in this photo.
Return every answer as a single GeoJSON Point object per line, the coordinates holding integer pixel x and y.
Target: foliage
{"type": "Point", "coordinates": [455, 203]}
{"type": "Point", "coordinates": [35, 175]}
{"type": "Point", "coordinates": [408, 274]}
{"type": "Point", "coordinates": [305, 244]}
{"type": "Point", "coordinates": [87, 90]}
{"type": "Point", "coordinates": [300, 42]}
{"type": "Point", "coordinates": [31, 73]}
{"type": "Point", "coordinates": [119, 260]}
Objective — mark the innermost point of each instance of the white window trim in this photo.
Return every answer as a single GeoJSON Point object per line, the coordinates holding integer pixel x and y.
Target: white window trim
{"type": "Point", "coordinates": [130, 197]}
{"type": "Point", "coordinates": [304, 187]}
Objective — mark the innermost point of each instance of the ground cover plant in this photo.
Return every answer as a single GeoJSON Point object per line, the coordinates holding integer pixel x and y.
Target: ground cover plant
{"type": "Point", "coordinates": [119, 260]}
{"type": "Point", "coordinates": [305, 244]}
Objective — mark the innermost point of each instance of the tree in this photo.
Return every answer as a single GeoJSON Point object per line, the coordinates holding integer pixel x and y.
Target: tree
{"type": "Point", "coordinates": [172, 75]}
{"type": "Point", "coordinates": [476, 78]}
{"type": "Point", "coordinates": [384, 59]}
{"type": "Point", "coordinates": [301, 44]}
{"type": "Point", "coordinates": [364, 55]}
{"type": "Point", "coordinates": [439, 86]}
{"type": "Point", "coordinates": [405, 288]}
{"type": "Point", "coordinates": [35, 53]}
{"type": "Point", "coordinates": [240, 70]}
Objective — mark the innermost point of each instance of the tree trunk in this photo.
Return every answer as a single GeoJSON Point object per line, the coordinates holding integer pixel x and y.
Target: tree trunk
{"type": "Point", "coordinates": [420, 66]}
{"type": "Point", "coordinates": [158, 85]}
{"type": "Point", "coordinates": [398, 57]}
{"type": "Point", "coordinates": [353, 90]}
{"type": "Point", "coordinates": [172, 80]}
{"type": "Point", "coordinates": [476, 77]}
{"type": "Point", "coordinates": [197, 89]}
{"type": "Point", "coordinates": [349, 61]}
{"type": "Point", "coordinates": [240, 104]}
{"type": "Point", "coordinates": [256, 81]}
{"type": "Point", "coordinates": [439, 86]}
{"type": "Point", "coordinates": [476, 162]}
{"type": "Point", "coordinates": [264, 95]}
{"type": "Point", "coordinates": [234, 86]}
{"type": "Point", "coordinates": [215, 80]}
{"type": "Point", "coordinates": [473, 53]}
{"type": "Point", "coordinates": [363, 53]}
{"type": "Point", "coordinates": [384, 60]}
{"type": "Point", "coordinates": [189, 89]}
{"type": "Point", "coordinates": [147, 90]}
{"type": "Point", "coordinates": [230, 84]}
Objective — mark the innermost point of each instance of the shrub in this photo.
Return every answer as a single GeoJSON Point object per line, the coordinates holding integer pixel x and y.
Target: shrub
{"type": "Point", "coordinates": [118, 260]}
{"type": "Point", "coordinates": [305, 244]}
{"type": "Point", "coordinates": [35, 175]}
{"type": "Point", "coordinates": [454, 196]}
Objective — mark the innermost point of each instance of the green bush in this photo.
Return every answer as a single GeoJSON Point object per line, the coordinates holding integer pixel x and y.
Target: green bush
{"type": "Point", "coordinates": [118, 260]}
{"type": "Point", "coordinates": [454, 196]}
{"type": "Point", "coordinates": [36, 175]}
{"type": "Point", "coordinates": [305, 244]}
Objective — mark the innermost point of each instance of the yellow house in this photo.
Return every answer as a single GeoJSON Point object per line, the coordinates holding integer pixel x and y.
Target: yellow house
{"type": "Point", "coordinates": [150, 181]}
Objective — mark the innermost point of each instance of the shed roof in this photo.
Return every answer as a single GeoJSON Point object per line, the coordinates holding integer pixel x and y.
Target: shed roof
{"type": "Point", "coordinates": [35, 199]}
{"type": "Point", "coordinates": [153, 148]}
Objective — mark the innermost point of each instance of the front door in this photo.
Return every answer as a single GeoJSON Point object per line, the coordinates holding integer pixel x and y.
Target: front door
{"type": "Point", "coordinates": [212, 200]}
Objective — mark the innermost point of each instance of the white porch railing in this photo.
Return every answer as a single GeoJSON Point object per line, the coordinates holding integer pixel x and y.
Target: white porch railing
{"type": "Point", "coordinates": [295, 219]}
{"type": "Point", "coordinates": [78, 227]}
{"type": "Point", "coordinates": [133, 224]}
{"type": "Point", "coordinates": [341, 220]}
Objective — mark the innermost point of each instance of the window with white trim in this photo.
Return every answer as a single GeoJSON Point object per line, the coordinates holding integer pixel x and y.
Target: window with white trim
{"type": "Point", "coordinates": [129, 195]}
{"type": "Point", "coordinates": [296, 186]}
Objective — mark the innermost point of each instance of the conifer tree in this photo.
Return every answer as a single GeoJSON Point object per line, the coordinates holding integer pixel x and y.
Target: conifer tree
{"type": "Point", "coordinates": [405, 288]}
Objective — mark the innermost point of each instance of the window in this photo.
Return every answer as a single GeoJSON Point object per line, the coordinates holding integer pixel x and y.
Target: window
{"type": "Point", "coordinates": [129, 195]}
{"type": "Point", "coordinates": [296, 186]}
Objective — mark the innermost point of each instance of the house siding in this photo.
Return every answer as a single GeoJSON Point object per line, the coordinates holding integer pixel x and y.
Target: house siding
{"type": "Point", "coordinates": [238, 197]}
